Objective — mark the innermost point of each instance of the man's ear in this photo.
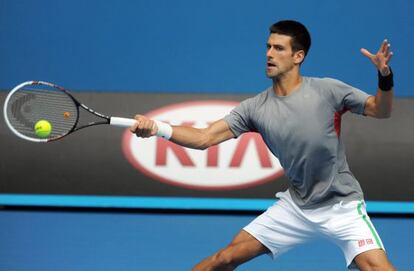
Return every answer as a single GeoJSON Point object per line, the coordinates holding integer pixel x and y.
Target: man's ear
{"type": "Point", "coordinates": [299, 56]}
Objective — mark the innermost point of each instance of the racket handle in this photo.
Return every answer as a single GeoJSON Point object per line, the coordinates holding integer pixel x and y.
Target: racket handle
{"type": "Point", "coordinates": [121, 122]}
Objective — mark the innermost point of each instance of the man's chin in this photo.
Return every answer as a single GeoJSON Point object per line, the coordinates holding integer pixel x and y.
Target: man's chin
{"type": "Point", "coordinates": [273, 76]}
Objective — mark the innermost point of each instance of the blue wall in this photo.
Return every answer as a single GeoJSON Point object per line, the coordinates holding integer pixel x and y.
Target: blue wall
{"type": "Point", "coordinates": [193, 46]}
{"type": "Point", "coordinates": [43, 241]}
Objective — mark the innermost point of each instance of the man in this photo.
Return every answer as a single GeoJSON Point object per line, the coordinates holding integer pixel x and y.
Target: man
{"type": "Point", "coordinates": [299, 120]}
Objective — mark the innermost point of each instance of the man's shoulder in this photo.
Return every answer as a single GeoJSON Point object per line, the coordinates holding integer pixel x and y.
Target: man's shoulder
{"type": "Point", "coordinates": [264, 92]}
{"type": "Point", "coordinates": [259, 97]}
{"type": "Point", "coordinates": [324, 81]}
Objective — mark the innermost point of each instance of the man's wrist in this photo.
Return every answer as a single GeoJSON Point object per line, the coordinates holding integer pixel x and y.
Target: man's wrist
{"type": "Point", "coordinates": [164, 129]}
{"type": "Point", "coordinates": [386, 83]}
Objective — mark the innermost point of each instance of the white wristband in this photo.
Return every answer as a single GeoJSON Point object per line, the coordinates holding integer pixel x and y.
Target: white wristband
{"type": "Point", "coordinates": [164, 129]}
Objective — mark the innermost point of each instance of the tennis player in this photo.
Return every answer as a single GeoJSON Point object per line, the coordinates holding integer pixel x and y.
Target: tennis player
{"type": "Point", "coordinates": [299, 120]}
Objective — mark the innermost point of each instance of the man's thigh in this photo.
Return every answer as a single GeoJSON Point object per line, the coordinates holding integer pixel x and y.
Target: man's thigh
{"type": "Point", "coordinates": [349, 226]}
{"type": "Point", "coordinates": [282, 227]}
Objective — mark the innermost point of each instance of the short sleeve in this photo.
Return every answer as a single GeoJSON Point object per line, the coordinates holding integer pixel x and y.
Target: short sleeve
{"type": "Point", "coordinates": [239, 119]}
{"type": "Point", "coordinates": [346, 97]}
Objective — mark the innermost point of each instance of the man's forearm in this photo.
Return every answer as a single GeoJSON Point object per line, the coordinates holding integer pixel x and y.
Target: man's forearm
{"type": "Point", "coordinates": [383, 103]}
{"type": "Point", "coordinates": [190, 137]}
{"type": "Point", "coordinates": [194, 138]}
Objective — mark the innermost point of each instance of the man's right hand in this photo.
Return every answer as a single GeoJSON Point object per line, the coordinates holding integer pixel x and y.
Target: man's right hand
{"type": "Point", "coordinates": [144, 127]}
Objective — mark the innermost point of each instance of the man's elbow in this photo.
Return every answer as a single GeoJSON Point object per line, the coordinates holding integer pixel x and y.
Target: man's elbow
{"type": "Point", "coordinates": [205, 142]}
{"type": "Point", "coordinates": [383, 115]}
{"type": "Point", "coordinates": [203, 147]}
{"type": "Point", "coordinates": [387, 115]}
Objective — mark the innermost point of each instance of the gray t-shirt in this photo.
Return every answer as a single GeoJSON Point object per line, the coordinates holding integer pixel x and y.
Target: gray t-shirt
{"type": "Point", "coordinates": [303, 131]}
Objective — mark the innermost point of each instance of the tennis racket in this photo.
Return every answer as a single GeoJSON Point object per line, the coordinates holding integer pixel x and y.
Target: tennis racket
{"type": "Point", "coordinates": [32, 101]}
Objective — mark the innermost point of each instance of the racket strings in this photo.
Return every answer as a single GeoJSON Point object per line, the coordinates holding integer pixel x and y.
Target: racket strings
{"type": "Point", "coordinates": [29, 105]}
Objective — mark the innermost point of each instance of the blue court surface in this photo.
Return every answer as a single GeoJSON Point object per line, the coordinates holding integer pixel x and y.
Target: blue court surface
{"type": "Point", "coordinates": [80, 240]}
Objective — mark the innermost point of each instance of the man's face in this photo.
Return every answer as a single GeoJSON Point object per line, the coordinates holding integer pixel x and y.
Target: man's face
{"type": "Point", "coordinates": [280, 57]}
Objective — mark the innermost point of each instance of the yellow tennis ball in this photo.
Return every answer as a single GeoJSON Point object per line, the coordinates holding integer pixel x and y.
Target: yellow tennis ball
{"type": "Point", "coordinates": [43, 128]}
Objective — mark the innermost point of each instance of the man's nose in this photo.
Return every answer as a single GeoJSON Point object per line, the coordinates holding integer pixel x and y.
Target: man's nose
{"type": "Point", "coordinates": [269, 52]}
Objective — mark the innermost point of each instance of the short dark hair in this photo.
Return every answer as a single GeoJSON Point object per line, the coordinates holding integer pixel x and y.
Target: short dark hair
{"type": "Point", "coordinates": [301, 39]}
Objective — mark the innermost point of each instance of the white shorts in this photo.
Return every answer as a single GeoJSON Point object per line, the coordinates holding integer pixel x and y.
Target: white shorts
{"type": "Point", "coordinates": [284, 225]}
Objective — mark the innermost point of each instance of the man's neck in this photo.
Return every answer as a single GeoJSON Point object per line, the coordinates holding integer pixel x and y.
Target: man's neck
{"type": "Point", "coordinates": [286, 84]}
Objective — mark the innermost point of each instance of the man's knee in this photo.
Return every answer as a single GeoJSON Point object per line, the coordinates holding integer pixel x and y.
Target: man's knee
{"type": "Point", "coordinates": [222, 260]}
{"type": "Point", "coordinates": [374, 260]}
{"type": "Point", "coordinates": [377, 267]}
{"type": "Point", "coordinates": [225, 258]}
{"type": "Point", "coordinates": [243, 248]}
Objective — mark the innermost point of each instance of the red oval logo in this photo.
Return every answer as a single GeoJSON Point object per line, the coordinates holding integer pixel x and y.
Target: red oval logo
{"type": "Point", "coordinates": [234, 164]}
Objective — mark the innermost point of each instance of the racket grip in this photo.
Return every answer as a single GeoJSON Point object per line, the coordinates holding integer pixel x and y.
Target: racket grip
{"type": "Point", "coordinates": [121, 122]}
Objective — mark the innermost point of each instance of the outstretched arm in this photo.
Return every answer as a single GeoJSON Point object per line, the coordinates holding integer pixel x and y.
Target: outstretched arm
{"type": "Point", "coordinates": [380, 105]}
{"type": "Point", "coordinates": [190, 137]}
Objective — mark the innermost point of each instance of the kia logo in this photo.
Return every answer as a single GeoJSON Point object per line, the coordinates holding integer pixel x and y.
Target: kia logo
{"type": "Point", "coordinates": [234, 164]}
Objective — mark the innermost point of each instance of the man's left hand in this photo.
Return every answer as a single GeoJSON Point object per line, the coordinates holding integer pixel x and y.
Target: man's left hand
{"type": "Point", "coordinates": [381, 58]}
